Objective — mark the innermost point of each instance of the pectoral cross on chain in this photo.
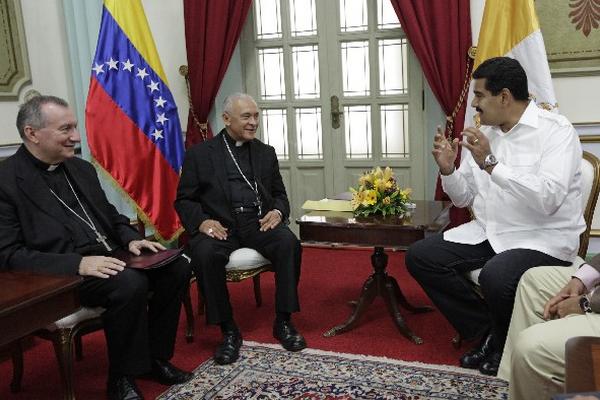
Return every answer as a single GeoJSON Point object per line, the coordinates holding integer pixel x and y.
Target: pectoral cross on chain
{"type": "Point", "coordinates": [102, 239]}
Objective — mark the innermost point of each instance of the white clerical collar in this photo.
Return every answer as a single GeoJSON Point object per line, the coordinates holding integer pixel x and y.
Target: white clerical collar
{"type": "Point", "coordinates": [52, 167]}
{"type": "Point", "coordinates": [239, 143]}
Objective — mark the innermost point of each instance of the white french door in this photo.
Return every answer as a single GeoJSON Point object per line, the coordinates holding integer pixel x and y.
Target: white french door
{"type": "Point", "coordinates": [340, 92]}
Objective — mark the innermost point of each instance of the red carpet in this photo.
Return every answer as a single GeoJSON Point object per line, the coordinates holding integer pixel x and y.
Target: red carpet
{"type": "Point", "coordinates": [330, 278]}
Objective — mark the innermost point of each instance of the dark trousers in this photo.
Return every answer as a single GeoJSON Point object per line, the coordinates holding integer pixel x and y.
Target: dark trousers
{"type": "Point", "coordinates": [439, 267]}
{"type": "Point", "coordinates": [209, 257]}
{"type": "Point", "coordinates": [138, 328]}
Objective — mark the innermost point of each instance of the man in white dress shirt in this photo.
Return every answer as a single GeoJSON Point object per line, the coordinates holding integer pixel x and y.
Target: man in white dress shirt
{"type": "Point", "coordinates": [521, 178]}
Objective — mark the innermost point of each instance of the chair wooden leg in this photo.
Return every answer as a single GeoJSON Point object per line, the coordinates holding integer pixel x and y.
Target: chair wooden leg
{"type": "Point", "coordinates": [257, 292]}
{"type": "Point", "coordinates": [78, 342]}
{"type": "Point", "coordinates": [200, 299]}
{"type": "Point", "coordinates": [17, 361]}
{"type": "Point", "coordinates": [189, 316]}
{"type": "Point", "coordinates": [63, 348]}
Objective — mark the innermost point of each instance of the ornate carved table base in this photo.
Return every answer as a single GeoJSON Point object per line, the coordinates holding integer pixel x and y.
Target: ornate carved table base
{"type": "Point", "coordinates": [381, 284]}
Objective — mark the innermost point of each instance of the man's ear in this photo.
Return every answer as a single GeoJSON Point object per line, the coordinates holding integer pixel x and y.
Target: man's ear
{"type": "Point", "coordinates": [30, 134]}
{"type": "Point", "coordinates": [505, 96]}
{"type": "Point", "coordinates": [226, 118]}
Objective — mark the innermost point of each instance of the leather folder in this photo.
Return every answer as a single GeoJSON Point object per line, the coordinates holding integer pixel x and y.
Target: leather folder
{"type": "Point", "coordinates": [148, 259]}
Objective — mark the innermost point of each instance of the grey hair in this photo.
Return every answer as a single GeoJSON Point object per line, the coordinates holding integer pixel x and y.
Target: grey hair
{"type": "Point", "coordinates": [30, 112]}
{"type": "Point", "coordinates": [228, 103]}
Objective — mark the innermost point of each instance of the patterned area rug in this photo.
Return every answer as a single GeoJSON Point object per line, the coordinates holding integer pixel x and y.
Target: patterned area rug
{"type": "Point", "coordinates": [269, 372]}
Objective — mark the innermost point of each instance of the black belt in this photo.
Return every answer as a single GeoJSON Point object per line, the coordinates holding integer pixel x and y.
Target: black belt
{"type": "Point", "coordinates": [245, 209]}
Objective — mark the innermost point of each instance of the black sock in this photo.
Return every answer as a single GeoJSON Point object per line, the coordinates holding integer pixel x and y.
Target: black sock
{"type": "Point", "coordinates": [282, 316]}
{"type": "Point", "coordinates": [228, 326]}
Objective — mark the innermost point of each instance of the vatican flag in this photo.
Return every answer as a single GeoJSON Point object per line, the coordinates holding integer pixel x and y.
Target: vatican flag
{"type": "Point", "coordinates": [511, 28]}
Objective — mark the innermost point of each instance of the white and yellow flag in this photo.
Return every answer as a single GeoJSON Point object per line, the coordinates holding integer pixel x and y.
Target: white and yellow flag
{"type": "Point", "coordinates": [511, 28]}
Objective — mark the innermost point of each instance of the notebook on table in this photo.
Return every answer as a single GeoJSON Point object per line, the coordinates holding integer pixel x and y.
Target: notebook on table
{"type": "Point", "coordinates": [148, 259]}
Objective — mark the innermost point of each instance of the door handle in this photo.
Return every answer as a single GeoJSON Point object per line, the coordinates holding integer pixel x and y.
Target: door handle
{"type": "Point", "coordinates": [336, 114]}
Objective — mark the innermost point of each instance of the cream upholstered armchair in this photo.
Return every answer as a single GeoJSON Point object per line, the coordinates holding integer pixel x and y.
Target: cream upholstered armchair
{"type": "Point", "coordinates": [243, 263]}
{"type": "Point", "coordinates": [590, 178]}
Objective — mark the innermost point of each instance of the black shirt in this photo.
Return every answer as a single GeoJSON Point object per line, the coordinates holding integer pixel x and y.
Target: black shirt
{"type": "Point", "coordinates": [84, 238]}
{"type": "Point", "coordinates": [241, 193]}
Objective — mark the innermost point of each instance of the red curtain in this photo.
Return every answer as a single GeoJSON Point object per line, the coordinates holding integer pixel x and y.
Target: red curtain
{"type": "Point", "coordinates": [439, 32]}
{"type": "Point", "coordinates": [212, 29]}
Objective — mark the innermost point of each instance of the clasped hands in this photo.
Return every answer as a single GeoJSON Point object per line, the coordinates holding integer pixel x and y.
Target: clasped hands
{"type": "Point", "coordinates": [566, 301]}
{"type": "Point", "coordinates": [104, 267]}
{"type": "Point", "coordinates": [214, 229]}
{"type": "Point", "coordinates": [445, 151]}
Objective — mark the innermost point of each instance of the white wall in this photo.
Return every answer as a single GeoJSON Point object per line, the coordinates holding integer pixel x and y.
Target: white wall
{"type": "Point", "coordinates": [166, 23]}
{"type": "Point", "coordinates": [48, 60]}
{"type": "Point", "coordinates": [579, 98]}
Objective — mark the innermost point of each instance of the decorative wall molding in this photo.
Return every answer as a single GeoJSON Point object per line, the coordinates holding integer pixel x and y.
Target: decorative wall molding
{"type": "Point", "coordinates": [571, 36]}
{"type": "Point", "coordinates": [8, 150]}
{"type": "Point", "coordinates": [14, 64]}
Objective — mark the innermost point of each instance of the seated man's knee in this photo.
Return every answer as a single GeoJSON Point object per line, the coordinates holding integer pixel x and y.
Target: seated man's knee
{"type": "Point", "coordinates": [528, 346]}
{"type": "Point", "coordinates": [129, 284]}
{"type": "Point", "coordinates": [180, 270]}
{"type": "Point", "coordinates": [416, 256]}
{"type": "Point", "coordinates": [532, 277]}
{"type": "Point", "coordinates": [204, 253]}
{"type": "Point", "coordinates": [289, 241]}
{"type": "Point", "coordinates": [492, 280]}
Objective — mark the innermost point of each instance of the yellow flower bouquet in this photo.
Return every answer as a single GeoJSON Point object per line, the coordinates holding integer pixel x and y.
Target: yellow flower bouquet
{"type": "Point", "coordinates": [378, 193]}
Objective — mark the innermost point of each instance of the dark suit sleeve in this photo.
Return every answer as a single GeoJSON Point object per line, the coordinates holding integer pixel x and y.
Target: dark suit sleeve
{"type": "Point", "coordinates": [187, 203]}
{"type": "Point", "coordinates": [278, 193]}
{"type": "Point", "coordinates": [15, 256]}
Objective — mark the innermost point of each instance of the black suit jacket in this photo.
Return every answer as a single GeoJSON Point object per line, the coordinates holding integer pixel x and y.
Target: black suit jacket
{"type": "Point", "coordinates": [34, 234]}
{"type": "Point", "coordinates": [204, 191]}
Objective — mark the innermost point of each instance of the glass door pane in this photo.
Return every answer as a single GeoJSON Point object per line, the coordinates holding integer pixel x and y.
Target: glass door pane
{"type": "Point", "coordinates": [355, 68]}
{"type": "Point", "coordinates": [303, 17]}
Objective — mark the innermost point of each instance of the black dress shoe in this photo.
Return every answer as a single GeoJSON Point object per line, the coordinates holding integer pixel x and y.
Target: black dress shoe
{"type": "Point", "coordinates": [491, 364]}
{"type": "Point", "coordinates": [229, 350]}
{"type": "Point", "coordinates": [123, 388]}
{"type": "Point", "coordinates": [475, 357]}
{"type": "Point", "coordinates": [166, 373]}
{"type": "Point", "coordinates": [288, 336]}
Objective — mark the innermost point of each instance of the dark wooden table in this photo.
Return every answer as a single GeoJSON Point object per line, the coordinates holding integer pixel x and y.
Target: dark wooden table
{"type": "Point", "coordinates": [29, 302]}
{"type": "Point", "coordinates": [342, 228]}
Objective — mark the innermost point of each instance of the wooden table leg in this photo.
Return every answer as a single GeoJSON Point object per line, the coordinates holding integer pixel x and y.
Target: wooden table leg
{"type": "Point", "coordinates": [369, 291]}
{"type": "Point", "coordinates": [380, 284]}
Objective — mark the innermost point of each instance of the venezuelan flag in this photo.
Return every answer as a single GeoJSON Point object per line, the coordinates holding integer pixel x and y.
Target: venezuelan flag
{"type": "Point", "coordinates": [132, 124]}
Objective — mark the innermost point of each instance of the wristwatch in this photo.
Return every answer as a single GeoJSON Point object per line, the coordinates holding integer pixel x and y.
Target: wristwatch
{"type": "Point", "coordinates": [490, 161]}
{"type": "Point", "coordinates": [584, 303]}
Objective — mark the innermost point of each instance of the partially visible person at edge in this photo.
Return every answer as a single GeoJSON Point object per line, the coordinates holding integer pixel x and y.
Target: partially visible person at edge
{"type": "Point", "coordinates": [552, 305]}
{"type": "Point", "coordinates": [231, 195]}
{"type": "Point", "coordinates": [55, 219]}
{"type": "Point", "coordinates": [521, 178]}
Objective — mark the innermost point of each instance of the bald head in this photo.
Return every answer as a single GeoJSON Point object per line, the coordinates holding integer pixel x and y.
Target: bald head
{"type": "Point", "coordinates": [232, 98]}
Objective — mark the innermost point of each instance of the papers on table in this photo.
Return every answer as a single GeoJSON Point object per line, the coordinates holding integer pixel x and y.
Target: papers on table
{"type": "Point", "coordinates": [327, 205]}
